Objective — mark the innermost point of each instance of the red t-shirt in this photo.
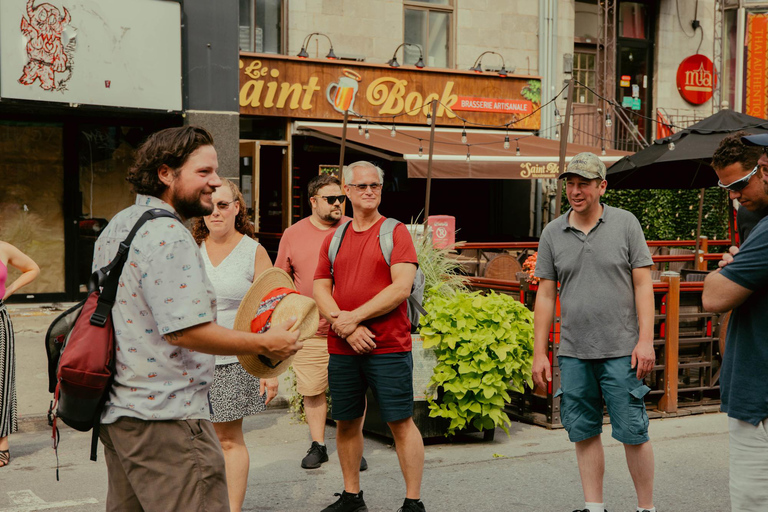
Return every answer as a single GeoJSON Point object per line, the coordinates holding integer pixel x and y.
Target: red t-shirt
{"type": "Point", "coordinates": [360, 272]}
{"type": "Point", "coordinates": [297, 255]}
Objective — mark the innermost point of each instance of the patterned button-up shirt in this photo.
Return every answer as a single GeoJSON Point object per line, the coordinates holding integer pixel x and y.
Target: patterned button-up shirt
{"type": "Point", "coordinates": [163, 288]}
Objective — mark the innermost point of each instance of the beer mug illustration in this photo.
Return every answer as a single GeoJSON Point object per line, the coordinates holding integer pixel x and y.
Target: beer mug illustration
{"type": "Point", "coordinates": [346, 89]}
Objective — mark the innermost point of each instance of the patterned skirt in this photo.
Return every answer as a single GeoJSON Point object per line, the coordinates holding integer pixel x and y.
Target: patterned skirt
{"type": "Point", "coordinates": [8, 413]}
{"type": "Point", "coordinates": [234, 394]}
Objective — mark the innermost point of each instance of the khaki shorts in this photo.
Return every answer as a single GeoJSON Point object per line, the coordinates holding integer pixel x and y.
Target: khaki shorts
{"type": "Point", "coordinates": [164, 465]}
{"type": "Point", "coordinates": [311, 367]}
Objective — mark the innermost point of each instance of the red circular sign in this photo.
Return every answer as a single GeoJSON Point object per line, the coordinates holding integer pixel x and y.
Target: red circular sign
{"type": "Point", "coordinates": [696, 79]}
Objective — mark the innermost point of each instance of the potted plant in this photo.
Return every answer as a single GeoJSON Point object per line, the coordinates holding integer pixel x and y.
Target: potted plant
{"type": "Point", "coordinates": [471, 350]}
{"type": "Point", "coordinates": [484, 349]}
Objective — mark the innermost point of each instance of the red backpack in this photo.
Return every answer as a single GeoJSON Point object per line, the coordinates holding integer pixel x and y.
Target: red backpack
{"type": "Point", "coordinates": [80, 344]}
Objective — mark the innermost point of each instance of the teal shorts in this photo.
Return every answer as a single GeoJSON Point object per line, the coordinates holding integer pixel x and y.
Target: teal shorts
{"type": "Point", "coordinates": [585, 383]}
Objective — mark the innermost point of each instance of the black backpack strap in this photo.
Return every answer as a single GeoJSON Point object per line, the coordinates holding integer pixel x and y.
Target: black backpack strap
{"type": "Point", "coordinates": [111, 273]}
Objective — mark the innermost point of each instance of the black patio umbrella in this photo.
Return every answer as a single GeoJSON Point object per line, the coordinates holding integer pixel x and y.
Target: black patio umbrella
{"type": "Point", "coordinates": [688, 164]}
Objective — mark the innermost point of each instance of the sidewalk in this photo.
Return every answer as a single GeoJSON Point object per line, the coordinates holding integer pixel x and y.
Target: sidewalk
{"type": "Point", "coordinates": [30, 323]}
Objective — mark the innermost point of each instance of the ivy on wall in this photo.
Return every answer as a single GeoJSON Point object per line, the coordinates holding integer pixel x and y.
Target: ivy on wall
{"type": "Point", "coordinates": [672, 214]}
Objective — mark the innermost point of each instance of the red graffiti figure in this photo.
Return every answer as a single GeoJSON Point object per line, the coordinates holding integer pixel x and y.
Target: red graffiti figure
{"type": "Point", "coordinates": [45, 49]}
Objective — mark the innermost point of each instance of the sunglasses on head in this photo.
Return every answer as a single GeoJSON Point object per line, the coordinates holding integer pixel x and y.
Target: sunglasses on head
{"type": "Point", "coordinates": [224, 205]}
{"type": "Point", "coordinates": [333, 199]}
{"type": "Point", "coordinates": [739, 184]}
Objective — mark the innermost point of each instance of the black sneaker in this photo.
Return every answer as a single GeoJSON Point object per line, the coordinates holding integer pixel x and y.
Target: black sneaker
{"type": "Point", "coordinates": [363, 464]}
{"type": "Point", "coordinates": [347, 503]}
{"type": "Point", "coordinates": [316, 455]}
{"type": "Point", "coordinates": [587, 510]}
{"type": "Point", "coordinates": [414, 506]}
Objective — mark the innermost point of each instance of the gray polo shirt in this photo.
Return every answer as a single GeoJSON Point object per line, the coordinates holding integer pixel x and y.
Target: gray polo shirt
{"type": "Point", "coordinates": [597, 298]}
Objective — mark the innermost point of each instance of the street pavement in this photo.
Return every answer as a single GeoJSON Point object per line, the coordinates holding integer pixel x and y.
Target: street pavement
{"type": "Point", "coordinates": [531, 470]}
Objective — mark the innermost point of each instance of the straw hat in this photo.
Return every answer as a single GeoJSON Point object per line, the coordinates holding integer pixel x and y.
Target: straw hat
{"type": "Point", "coordinates": [292, 305]}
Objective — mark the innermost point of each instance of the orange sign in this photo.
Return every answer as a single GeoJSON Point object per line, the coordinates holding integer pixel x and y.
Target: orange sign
{"type": "Point", "coordinates": [273, 85]}
{"type": "Point", "coordinates": [492, 105]}
{"type": "Point", "coordinates": [757, 53]}
{"type": "Point", "coordinates": [695, 79]}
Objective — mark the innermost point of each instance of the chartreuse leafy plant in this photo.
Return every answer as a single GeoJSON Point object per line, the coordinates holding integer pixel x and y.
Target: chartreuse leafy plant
{"type": "Point", "coordinates": [484, 348]}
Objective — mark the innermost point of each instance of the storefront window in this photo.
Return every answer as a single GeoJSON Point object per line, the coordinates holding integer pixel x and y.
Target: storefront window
{"type": "Point", "coordinates": [33, 215]}
{"type": "Point", "coordinates": [105, 154]}
{"type": "Point", "coordinates": [261, 26]}
{"type": "Point", "coordinates": [429, 26]}
{"type": "Point", "coordinates": [632, 17]}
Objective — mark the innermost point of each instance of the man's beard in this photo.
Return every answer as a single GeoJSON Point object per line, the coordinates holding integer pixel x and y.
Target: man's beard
{"type": "Point", "coordinates": [191, 207]}
{"type": "Point", "coordinates": [330, 216]}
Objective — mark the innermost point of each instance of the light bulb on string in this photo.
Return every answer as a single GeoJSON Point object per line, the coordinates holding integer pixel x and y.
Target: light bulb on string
{"type": "Point", "coordinates": [602, 150]}
{"type": "Point", "coordinates": [367, 135]}
{"type": "Point", "coordinates": [467, 152]}
{"type": "Point", "coordinates": [671, 146]}
{"type": "Point", "coordinates": [517, 148]}
{"type": "Point", "coordinates": [393, 133]}
{"type": "Point", "coordinates": [557, 116]}
{"type": "Point", "coordinates": [506, 142]}
{"type": "Point", "coordinates": [360, 129]}
{"type": "Point", "coordinates": [421, 148]}
{"type": "Point", "coordinates": [557, 133]}
{"type": "Point", "coordinates": [464, 134]}
{"type": "Point", "coordinates": [608, 121]}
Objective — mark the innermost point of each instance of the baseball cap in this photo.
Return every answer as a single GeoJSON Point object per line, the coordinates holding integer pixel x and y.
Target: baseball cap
{"type": "Point", "coordinates": [756, 140]}
{"type": "Point", "coordinates": [587, 165]}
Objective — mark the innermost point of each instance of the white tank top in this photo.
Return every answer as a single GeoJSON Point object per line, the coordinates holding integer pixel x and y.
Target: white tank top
{"type": "Point", "coordinates": [231, 279]}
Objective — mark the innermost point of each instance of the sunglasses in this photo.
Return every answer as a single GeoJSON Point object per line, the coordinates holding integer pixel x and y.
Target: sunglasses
{"type": "Point", "coordinates": [361, 187]}
{"type": "Point", "coordinates": [739, 184]}
{"type": "Point", "coordinates": [224, 205]}
{"type": "Point", "coordinates": [333, 199]}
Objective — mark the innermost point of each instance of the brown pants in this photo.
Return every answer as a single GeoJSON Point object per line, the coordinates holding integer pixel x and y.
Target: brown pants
{"type": "Point", "coordinates": [159, 466]}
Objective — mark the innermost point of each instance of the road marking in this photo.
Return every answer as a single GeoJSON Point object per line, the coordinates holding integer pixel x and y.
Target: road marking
{"type": "Point", "coordinates": [27, 501]}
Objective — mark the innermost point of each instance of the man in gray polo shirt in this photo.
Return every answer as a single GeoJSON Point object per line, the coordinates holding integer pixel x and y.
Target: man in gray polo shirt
{"type": "Point", "coordinates": [599, 256]}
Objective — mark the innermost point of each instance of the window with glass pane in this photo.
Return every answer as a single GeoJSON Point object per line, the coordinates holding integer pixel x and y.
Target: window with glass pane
{"type": "Point", "coordinates": [632, 20]}
{"type": "Point", "coordinates": [584, 71]}
{"type": "Point", "coordinates": [430, 29]}
{"type": "Point", "coordinates": [260, 26]}
{"type": "Point", "coordinates": [31, 215]}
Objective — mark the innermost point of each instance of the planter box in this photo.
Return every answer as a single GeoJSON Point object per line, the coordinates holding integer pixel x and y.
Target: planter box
{"type": "Point", "coordinates": [424, 361]}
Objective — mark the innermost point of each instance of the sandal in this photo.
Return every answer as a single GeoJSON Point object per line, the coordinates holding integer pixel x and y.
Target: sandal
{"type": "Point", "coordinates": [5, 458]}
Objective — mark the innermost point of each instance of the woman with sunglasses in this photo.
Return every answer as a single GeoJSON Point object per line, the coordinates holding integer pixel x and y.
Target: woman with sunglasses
{"type": "Point", "coordinates": [232, 258]}
{"type": "Point", "coordinates": [10, 256]}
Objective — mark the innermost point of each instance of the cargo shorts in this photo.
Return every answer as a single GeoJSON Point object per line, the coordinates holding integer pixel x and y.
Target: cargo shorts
{"type": "Point", "coordinates": [585, 383]}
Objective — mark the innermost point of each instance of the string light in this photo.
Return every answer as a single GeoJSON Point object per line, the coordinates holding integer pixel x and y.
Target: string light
{"type": "Point", "coordinates": [464, 134]}
{"type": "Point", "coordinates": [557, 133]}
{"type": "Point", "coordinates": [394, 131]}
{"type": "Point", "coordinates": [360, 129]}
{"type": "Point", "coordinates": [671, 146]}
{"type": "Point", "coordinates": [557, 116]}
{"type": "Point", "coordinates": [467, 152]}
{"type": "Point", "coordinates": [506, 142]}
{"type": "Point", "coordinates": [602, 150]}
{"type": "Point", "coordinates": [421, 148]}
{"type": "Point", "coordinates": [608, 121]}
{"type": "Point", "coordinates": [517, 147]}
{"type": "Point", "coordinates": [367, 135]}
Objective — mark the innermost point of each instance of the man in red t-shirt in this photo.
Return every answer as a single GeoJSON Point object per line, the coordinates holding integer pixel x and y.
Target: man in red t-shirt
{"type": "Point", "coordinates": [370, 337]}
{"type": "Point", "coordinates": [297, 255]}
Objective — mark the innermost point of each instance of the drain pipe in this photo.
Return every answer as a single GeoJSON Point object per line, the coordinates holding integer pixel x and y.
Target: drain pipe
{"type": "Point", "coordinates": [548, 71]}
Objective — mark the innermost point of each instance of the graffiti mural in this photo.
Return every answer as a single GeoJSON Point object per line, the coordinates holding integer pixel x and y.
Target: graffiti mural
{"type": "Point", "coordinates": [50, 44]}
